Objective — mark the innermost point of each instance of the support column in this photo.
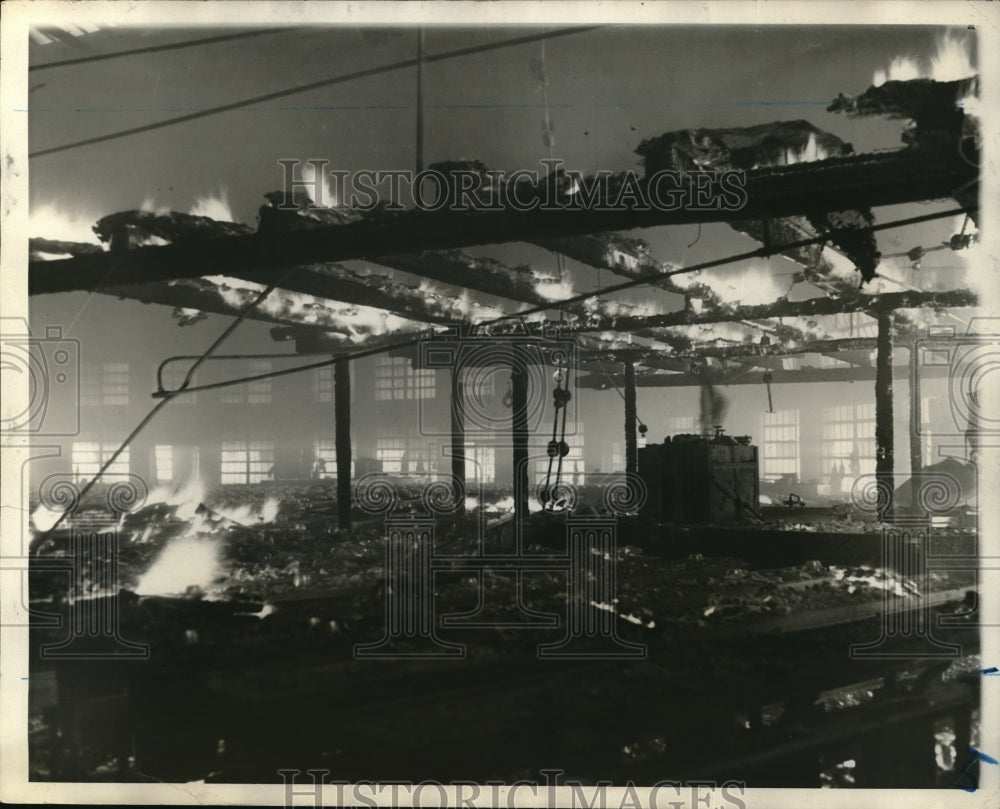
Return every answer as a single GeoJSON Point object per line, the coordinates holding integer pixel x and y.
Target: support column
{"type": "Point", "coordinates": [916, 451]}
{"type": "Point", "coordinates": [631, 442]}
{"type": "Point", "coordinates": [458, 439]}
{"type": "Point", "coordinates": [342, 438]}
{"type": "Point", "coordinates": [519, 439]}
{"type": "Point", "coordinates": [883, 417]}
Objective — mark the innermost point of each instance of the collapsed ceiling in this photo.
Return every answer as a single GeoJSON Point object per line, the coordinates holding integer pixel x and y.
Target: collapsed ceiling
{"type": "Point", "coordinates": [349, 280]}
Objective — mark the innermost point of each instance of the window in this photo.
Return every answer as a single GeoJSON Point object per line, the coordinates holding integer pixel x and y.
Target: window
{"type": "Point", "coordinates": [326, 449]}
{"type": "Point", "coordinates": [323, 383]}
{"type": "Point", "coordinates": [247, 461]}
{"type": "Point", "coordinates": [389, 452]}
{"type": "Point", "coordinates": [572, 470]}
{"type": "Point", "coordinates": [173, 378]}
{"type": "Point", "coordinates": [105, 384]}
{"type": "Point", "coordinates": [259, 391]}
{"type": "Point", "coordinates": [115, 383]}
{"type": "Point", "coordinates": [407, 456]}
{"type": "Point", "coordinates": [677, 425]}
{"type": "Point", "coordinates": [323, 386]}
{"type": "Point", "coordinates": [90, 456]}
{"type": "Point", "coordinates": [233, 394]}
{"type": "Point", "coordinates": [848, 448]}
{"type": "Point", "coordinates": [780, 449]}
{"type": "Point", "coordinates": [163, 463]}
{"type": "Point", "coordinates": [481, 382]}
{"type": "Point", "coordinates": [396, 379]}
{"type": "Point", "coordinates": [480, 465]}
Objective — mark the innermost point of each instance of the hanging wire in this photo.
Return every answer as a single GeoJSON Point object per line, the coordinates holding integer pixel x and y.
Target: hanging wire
{"type": "Point", "coordinates": [167, 396]}
{"type": "Point", "coordinates": [315, 85]}
{"type": "Point", "coordinates": [190, 43]}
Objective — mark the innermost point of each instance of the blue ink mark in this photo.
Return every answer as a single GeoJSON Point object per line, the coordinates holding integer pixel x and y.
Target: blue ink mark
{"type": "Point", "coordinates": [975, 755]}
{"type": "Point", "coordinates": [989, 671]}
{"type": "Point", "coordinates": [983, 756]}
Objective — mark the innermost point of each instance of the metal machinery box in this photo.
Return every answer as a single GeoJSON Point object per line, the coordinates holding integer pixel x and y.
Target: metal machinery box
{"type": "Point", "coordinates": [695, 479]}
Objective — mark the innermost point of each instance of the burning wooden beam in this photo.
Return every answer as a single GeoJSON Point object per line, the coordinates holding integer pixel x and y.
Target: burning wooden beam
{"type": "Point", "coordinates": [800, 376]}
{"type": "Point", "coordinates": [205, 296]}
{"type": "Point", "coordinates": [334, 282]}
{"type": "Point", "coordinates": [832, 185]}
{"type": "Point", "coordinates": [908, 299]}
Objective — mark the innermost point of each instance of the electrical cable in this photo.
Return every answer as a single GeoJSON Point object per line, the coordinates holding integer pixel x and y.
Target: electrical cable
{"type": "Point", "coordinates": [164, 400]}
{"type": "Point", "coordinates": [315, 85]}
{"type": "Point", "coordinates": [190, 43]}
{"type": "Point", "coordinates": [556, 305]}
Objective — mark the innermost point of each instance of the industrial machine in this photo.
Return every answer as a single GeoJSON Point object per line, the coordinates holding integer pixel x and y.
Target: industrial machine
{"type": "Point", "coordinates": [700, 479]}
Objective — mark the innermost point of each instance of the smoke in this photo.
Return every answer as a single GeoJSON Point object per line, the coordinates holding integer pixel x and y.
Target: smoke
{"type": "Point", "coordinates": [712, 404]}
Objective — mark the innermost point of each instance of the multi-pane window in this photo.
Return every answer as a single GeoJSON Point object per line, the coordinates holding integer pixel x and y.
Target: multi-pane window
{"type": "Point", "coordinates": [402, 456]}
{"type": "Point", "coordinates": [480, 466]}
{"type": "Point", "coordinates": [780, 448]}
{"type": "Point", "coordinates": [115, 383]}
{"type": "Point", "coordinates": [481, 382]}
{"type": "Point", "coordinates": [326, 450]}
{"type": "Point", "coordinates": [389, 453]}
{"type": "Point", "coordinates": [677, 425]}
{"type": "Point", "coordinates": [259, 391]}
{"type": "Point", "coordinates": [105, 384]}
{"type": "Point", "coordinates": [89, 456]}
{"type": "Point", "coordinates": [848, 448]}
{"type": "Point", "coordinates": [233, 394]}
{"type": "Point", "coordinates": [247, 461]}
{"type": "Point", "coordinates": [572, 469]}
{"type": "Point", "coordinates": [173, 377]}
{"type": "Point", "coordinates": [323, 383]}
{"type": "Point", "coordinates": [163, 463]}
{"type": "Point", "coordinates": [396, 379]}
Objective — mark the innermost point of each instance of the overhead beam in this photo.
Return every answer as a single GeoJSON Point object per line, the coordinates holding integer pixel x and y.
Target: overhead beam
{"type": "Point", "coordinates": [337, 283]}
{"type": "Point", "coordinates": [779, 376]}
{"type": "Point", "coordinates": [209, 299]}
{"type": "Point", "coordinates": [812, 307]}
{"type": "Point", "coordinates": [830, 185]}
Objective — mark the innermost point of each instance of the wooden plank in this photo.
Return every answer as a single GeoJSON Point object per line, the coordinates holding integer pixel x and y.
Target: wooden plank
{"type": "Point", "coordinates": [829, 185]}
